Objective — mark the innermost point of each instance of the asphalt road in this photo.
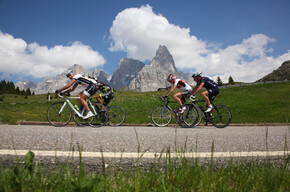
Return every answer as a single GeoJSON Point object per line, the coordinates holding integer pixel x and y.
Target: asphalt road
{"type": "Point", "coordinates": [127, 139]}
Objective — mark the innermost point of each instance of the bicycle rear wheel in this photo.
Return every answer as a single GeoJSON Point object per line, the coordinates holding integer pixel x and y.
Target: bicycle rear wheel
{"type": "Point", "coordinates": [189, 118]}
{"type": "Point", "coordinates": [221, 116]}
{"type": "Point", "coordinates": [161, 116]}
{"type": "Point", "coordinates": [116, 115]}
{"type": "Point", "coordinates": [59, 114]}
{"type": "Point", "coordinates": [101, 115]}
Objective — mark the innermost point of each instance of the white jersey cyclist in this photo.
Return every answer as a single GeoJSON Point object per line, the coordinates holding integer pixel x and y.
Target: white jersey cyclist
{"type": "Point", "coordinates": [183, 86]}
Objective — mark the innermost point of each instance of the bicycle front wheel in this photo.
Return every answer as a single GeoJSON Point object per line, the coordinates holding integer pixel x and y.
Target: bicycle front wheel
{"type": "Point", "coordinates": [116, 116]}
{"type": "Point", "coordinates": [221, 116]}
{"type": "Point", "coordinates": [101, 115]}
{"type": "Point", "coordinates": [189, 118]}
{"type": "Point", "coordinates": [161, 116]}
{"type": "Point", "coordinates": [59, 114]}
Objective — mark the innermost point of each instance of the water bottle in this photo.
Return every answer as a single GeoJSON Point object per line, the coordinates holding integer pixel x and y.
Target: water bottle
{"type": "Point", "coordinates": [76, 106]}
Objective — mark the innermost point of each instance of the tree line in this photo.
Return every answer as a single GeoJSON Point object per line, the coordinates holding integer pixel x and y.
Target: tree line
{"type": "Point", "coordinates": [220, 83]}
{"type": "Point", "coordinates": [9, 88]}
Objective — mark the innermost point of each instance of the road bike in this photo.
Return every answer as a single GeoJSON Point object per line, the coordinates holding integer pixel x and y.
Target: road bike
{"type": "Point", "coordinates": [161, 116]}
{"type": "Point", "coordinates": [220, 116]}
{"type": "Point", "coordinates": [60, 113]}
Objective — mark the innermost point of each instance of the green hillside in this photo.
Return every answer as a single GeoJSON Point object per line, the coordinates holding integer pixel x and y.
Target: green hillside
{"type": "Point", "coordinates": [264, 103]}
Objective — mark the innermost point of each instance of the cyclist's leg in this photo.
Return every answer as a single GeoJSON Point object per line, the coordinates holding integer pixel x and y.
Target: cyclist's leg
{"type": "Point", "coordinates": [82, 101]}
{"type": "Point", "coordinates": [177, 97]}
{"type": "Point", "coordinates": [204, 95]}
{"type": "Point", "coordinates": [99, 99]}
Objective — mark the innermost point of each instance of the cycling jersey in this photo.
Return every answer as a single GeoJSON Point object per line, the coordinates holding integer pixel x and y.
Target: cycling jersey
{"type": "Point", "coordinates": [84, 81]}
{"type": "Point", "coordinates": [90, 84]}
{"type": "Point", "coordinates": [180, 84]}
{"type": "Point", "coordinates": [107, 92]}
{"type": "Point", "coordinates": [104, 88]}
{"type": "Point", "coordinates": [208, 83]}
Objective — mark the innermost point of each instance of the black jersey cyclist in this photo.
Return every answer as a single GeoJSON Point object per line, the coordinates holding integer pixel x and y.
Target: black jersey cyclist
{"type": "Point", "coordinates": [89, 83]}
{"type": "Point", "coordinates": [106, 93]}
{"type": "Point", "coordinates": [212, 89]}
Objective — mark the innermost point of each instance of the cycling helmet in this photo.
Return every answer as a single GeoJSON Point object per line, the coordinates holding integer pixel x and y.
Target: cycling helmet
{"type": "Point", "coordinates": [68, 72]}
{"type": "Point", "coordinates": [170, 77]}
{"type": "Point", "coordinates": [196, 74]}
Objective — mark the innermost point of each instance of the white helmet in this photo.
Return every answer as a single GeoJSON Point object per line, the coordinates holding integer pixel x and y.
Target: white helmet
{"type": "Point", "coordinates": [198, 73]}
{"type": "Point", "coordinates": [68, 72]}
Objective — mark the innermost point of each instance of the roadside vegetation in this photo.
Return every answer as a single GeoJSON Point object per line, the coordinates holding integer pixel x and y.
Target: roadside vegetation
{"type": "Point", "coordinates": [166, 174]}
{"type": "Point", "coordinates": [263, 103]}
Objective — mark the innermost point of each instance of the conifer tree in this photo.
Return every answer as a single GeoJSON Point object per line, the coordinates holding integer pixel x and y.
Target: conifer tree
{"type": "Point", "coordinates": [219, 81]}
{"type": "Point", "coordinates": [231, 81]}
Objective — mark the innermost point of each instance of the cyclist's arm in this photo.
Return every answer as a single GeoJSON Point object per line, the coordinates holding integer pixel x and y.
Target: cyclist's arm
{"type": "Point", "coordinates": [74, 87]}
{"type": "Point", "coordinates": [171, 90]}
{"type": "Point", "coordinates": [69, 85]}
{"type": "Point", "coordinates": [197, 89]}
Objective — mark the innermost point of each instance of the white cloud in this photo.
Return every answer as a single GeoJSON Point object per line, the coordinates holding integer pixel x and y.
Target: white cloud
{"type": "Point", "coordinates": [18, 57]}
{"type": "Point", "coordinates": [139, 32]}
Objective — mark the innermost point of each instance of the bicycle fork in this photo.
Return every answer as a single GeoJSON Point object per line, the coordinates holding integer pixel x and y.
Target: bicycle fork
{"type": "Point", "coordinates": [62, 107]}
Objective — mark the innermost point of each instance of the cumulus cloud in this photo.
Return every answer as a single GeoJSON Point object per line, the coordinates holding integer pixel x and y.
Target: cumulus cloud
{"type": "Point", "coordinates": [139, 32]}
{"type": "Point", "coordinates": [18, 57]}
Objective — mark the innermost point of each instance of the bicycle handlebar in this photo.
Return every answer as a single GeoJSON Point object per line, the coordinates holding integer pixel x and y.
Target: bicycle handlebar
{"type": "Point", "coordinates": [164, 98]}
{"type": "Point", "coordinates": [62, 94]}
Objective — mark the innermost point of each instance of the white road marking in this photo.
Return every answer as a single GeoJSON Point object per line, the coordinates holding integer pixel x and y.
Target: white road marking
{"type": "Point", "coordinates": [145, 155]}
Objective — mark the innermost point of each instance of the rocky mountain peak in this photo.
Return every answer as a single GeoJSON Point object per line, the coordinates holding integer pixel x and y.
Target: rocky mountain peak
{"type": "Point", "coordinates": [280, 74]}
{"type": "Point", "coordinates": [127, 70]}
{"type": "Point", "coordinates": [163, 60]}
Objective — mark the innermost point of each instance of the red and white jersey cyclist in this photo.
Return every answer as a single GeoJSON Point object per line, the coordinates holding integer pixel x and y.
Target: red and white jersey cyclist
{"type": "Point", "coordinates": [179, 84]}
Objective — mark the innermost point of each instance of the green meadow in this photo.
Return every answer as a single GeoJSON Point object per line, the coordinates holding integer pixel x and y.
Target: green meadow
{"type": "Point", "coordinates": [263, 103]}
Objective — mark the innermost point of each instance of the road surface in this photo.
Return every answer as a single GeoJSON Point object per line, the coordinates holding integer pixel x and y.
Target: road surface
{"type": "Point", "coordinates": [150, 142]}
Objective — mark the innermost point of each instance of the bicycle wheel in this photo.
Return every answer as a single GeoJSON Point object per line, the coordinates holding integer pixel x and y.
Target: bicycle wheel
{"type": "Point", "coordinates": [161, 116]}
{"type": "Point", "coordinates": [221, 116]}
{"type": "Point", "coordinates": [116, 115]}
{"type": "Point", "coordinates": [101, 115]}
{"type": "Point", "coordinates": [189, 118]}
{"type": "Point", "coordinates": [59, 114]}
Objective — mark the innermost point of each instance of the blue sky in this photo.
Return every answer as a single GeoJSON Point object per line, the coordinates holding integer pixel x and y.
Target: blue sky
{"type": "Point", "coordinates": [245, 39]}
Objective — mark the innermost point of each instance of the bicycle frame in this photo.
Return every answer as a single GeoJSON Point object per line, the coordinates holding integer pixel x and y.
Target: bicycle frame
{"type": "Point", "coordinates": [67, 101]}
{"type": "Point", "coordinates": [167, 106]}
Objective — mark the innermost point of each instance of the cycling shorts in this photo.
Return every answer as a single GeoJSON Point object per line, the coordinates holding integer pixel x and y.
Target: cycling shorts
{"type": "Point", "coordinates": [90, 90]}
{"type": "Point", "coordinates": [107, 97]}
{"type": "Point", "coordinates": [212, 93]}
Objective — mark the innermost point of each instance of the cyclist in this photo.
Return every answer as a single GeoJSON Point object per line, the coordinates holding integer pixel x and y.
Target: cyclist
{"type": "Point", "coordinates": [78, 79]}
{"type": "Point", "coordinates": [183, 86]}
{"type": "Point", "coordinates": [212, 89]}
{"type": "Point", "coordinates": [107, 93]}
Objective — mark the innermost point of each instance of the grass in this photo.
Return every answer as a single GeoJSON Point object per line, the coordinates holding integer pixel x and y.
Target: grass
{"type": "Point", "coordinates": [264, 103]}
{"type": "Point", "coordinates": [168, 174]}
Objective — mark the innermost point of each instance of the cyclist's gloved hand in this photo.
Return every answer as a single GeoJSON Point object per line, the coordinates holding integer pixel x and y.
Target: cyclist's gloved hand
{"type": "Point", "coordinates": [164, 97]}
{"type": "Point", "coordinates": [192, 97]}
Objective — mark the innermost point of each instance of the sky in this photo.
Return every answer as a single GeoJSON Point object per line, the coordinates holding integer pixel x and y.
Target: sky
{"type": "Point", "coordinates": [243, 39]}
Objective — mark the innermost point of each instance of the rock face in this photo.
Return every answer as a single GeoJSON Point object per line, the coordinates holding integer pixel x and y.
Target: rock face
{"type": "Point", "coordinates": [51, 84]}
{"type": "Point", "coordinates": [23, 85]}
{"type": "Point", "coordinates": [280, 74]}
{"type": "Point", "coordinates": [127, 70]}
{"type": "Point", "coordinates": [130, 75]}
{"type": "Point", "coordinates": [154, 76]}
